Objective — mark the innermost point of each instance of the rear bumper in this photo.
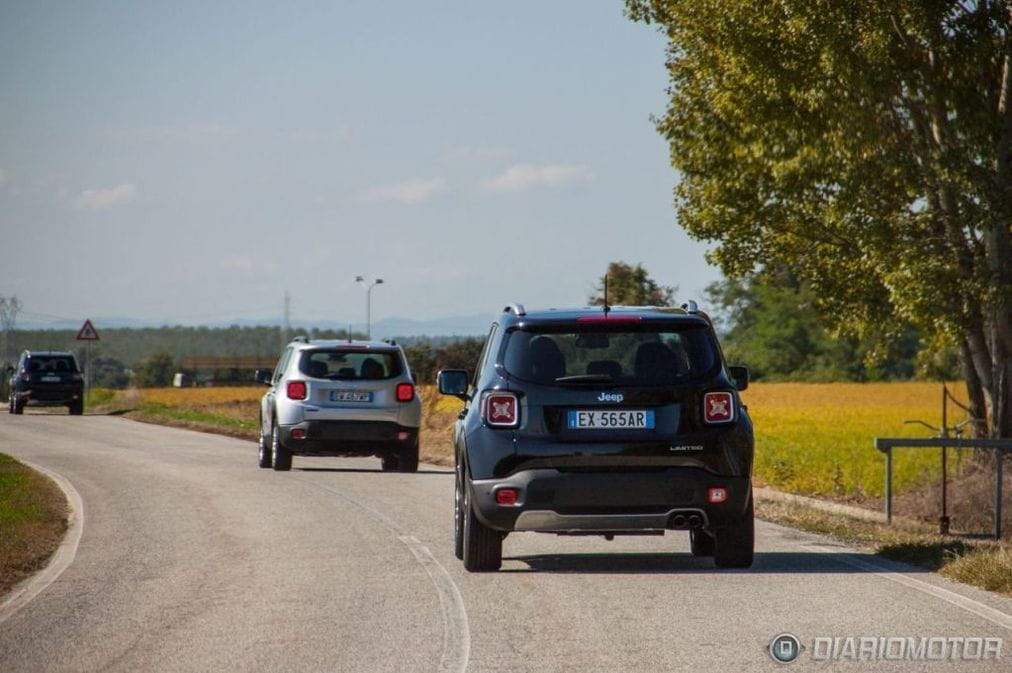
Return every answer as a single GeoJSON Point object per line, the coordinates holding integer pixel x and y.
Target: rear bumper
{"type": "Point", "coordinates": [555, 501]}
{"type": "Point", "coordinates": [347, 438]}
{"type": "Point", "coordinates": [55, 395]}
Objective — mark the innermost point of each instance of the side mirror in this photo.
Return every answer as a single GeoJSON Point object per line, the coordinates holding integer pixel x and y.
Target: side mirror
{"type": "Point", "coordinates": [453, 382]}
{"type": "Point", "coordinates": [740, 377]}
{"type": "Point", "coordinates": [263, 376]}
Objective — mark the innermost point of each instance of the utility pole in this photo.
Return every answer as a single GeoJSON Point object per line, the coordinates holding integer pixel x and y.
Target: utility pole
{"type": "Point", "coordinates": [368, 302]}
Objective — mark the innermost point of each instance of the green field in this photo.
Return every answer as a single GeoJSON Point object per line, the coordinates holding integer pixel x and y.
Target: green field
{"type": "Point", "coordinates": [32, 520]}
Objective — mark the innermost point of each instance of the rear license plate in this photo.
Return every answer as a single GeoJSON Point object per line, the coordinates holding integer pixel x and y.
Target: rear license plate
{"type": "Point", "coordinates": [51, 379]}
{"type": "Point", "coordinates": [609, 419]}
{"type": "Point", "coordinates": [349, 396]}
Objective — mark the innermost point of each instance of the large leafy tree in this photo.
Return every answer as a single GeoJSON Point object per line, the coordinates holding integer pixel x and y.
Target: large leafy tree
{"type": "Point", "coordinates": [864, 146]}
{"type": "Point", "coordinates": [768, 323]}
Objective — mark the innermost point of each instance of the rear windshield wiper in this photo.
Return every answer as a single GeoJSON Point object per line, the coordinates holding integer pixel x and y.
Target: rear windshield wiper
{"type": "Point", "coordinates": [585, 379]}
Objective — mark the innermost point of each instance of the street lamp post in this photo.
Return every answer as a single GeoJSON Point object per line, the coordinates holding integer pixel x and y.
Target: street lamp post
{"type": "Point", "coordinates": [368, 302]}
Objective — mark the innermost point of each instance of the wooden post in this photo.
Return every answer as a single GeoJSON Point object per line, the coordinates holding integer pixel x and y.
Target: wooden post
{"type": "Point", "coordinates": [889, 485]}
{"type": "Point", "coordinates": [999, 459]}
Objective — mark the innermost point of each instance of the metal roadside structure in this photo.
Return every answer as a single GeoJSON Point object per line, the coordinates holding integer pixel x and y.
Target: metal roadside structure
{"type": "Point", "coordinates": [87, 334]}
{"type": "Point", "coordinates": [1000, 447]}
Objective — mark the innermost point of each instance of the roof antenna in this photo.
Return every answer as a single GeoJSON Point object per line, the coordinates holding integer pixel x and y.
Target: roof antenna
{"type": "Point", "coordinates": [349, 332]}
{"type": "Point", "coordinates": [606, 307]}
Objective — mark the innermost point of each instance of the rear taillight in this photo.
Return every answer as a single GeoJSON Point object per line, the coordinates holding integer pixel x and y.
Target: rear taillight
{"type": "Point", "coordinates": [716, 495]}
{"type": "Point", "coordinates": [718, 407]}
{"type": "Point", "coordinates": [76, 377]}
{"type": "Point", "coordinates": [297, 390]}
{"type": "Point", "coordinates": [25, 376]}
{"type": "Point", "coordinates": [501, 410]}
{"type": "Point", "coordinates": [405, 392]}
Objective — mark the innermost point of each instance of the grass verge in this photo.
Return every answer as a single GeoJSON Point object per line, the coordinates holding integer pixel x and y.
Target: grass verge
{"type": "Point", "coordinates": [982, 563]}
{"type": "Point", "coordinates": [33, 519]}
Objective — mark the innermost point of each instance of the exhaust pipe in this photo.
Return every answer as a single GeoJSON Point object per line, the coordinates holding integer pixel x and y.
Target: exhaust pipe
{"type": "Point", "coordinates": [678, 521]}
{"type": "Point", "coordinates": [695, 521]}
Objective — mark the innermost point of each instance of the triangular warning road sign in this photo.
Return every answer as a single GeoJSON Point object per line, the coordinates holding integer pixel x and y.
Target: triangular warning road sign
{"type": "Point", "coordinates": [87, 332]}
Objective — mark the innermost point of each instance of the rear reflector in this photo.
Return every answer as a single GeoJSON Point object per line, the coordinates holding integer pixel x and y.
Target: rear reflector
{"type": "Point", "coordinates": [402, 436]}
{"type": "Point", "coordinates": [718, 407]}
{"type": "Point", "coordinates": [501, 410]}
{"type": "Point", "coordinates": [297, 390]}
{"type": "Point", "coordinates": [717, 495]}
{"type": "Point", "coordinates": [507, 496]}
{"type": "Point", "coordinates": [298, 433]}
{"type": "Point", "coordinates": [405, 392]}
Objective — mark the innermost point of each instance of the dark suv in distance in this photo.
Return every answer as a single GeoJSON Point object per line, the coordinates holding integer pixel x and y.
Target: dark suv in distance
{"type": "Point", "coordinates": [47, 378]}
{"type": "Point", "coordinates": [602, 422]}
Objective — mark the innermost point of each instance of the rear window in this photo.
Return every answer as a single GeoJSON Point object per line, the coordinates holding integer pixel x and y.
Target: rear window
{"type": "Point", "coordinates": [632, 356]}
{"type": "Point", "coordinates": [350, 364]}
{"type": "Point", "coordinates": [52, 363]}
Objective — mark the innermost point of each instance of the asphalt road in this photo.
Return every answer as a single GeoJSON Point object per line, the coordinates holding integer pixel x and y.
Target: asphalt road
{"type": "Point", "coordinates": [193, 559]}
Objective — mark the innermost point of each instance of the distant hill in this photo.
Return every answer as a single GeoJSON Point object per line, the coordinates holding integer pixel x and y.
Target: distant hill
{"type": "Point", "coordinates": [466, 325]}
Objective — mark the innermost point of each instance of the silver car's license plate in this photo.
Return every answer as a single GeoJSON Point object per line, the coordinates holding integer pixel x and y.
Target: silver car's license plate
{"type": "Point", "coordinates": [611, 419]}
{"type": "Point", "coordinates": [349, 396]}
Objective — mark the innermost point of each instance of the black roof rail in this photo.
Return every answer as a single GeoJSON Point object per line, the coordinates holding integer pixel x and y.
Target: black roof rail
{"type": "Point", "coordinates": [516, 309]}
{"type": "Point", "coordinates": [390, 341]}
{"type": "Point", "coordinates": [302, 339]}
{"type": "Point", "coordinates": [691, 307]}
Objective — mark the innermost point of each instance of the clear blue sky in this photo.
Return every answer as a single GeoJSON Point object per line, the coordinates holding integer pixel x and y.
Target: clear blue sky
{"type": "Point", "coordinates": [190, 161]}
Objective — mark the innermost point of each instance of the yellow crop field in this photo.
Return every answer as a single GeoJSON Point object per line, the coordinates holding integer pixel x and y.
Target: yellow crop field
{"type": "Point", "coordinates": [812, 438]}
{"type": "Point", "coordinates": [819, 437]}
{"type": "Point", "coordinates": [235, 408]}
{"type": "Point", "coordinates": [180, 397]}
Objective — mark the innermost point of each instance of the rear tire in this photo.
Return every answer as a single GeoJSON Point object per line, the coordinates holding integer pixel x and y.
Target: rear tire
{"type": "Point", "coordinates": [280, 456]}
{"type": "Point", "coordinates": [735, 544]}
{"type": "Point", "coordinates": [19, 407]}
{"type": "Point", "coordinates": [407, 461]}
{"type": "Point", "coordinates": [701, 542]}
{"type": "Point", "coordinates": [77, 409]}
{"type": "Point", "coordinates": [458, 519]}
{"type": "Point", "coordinates": [389, 463]}
{"type": "Point", "coordinates": [482, 545]}
{"type": "Point", "coordinates": [265, 449]}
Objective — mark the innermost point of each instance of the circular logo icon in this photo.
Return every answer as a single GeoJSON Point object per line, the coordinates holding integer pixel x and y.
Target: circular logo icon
{"type": "Point", "coordinates": [785, 648]}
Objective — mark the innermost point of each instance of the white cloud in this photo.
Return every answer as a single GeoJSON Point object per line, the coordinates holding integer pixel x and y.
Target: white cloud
{"type": "Point", "coordinates": [4, 178]}
{"type": "Point", "coordinates": [108, 197]}
{"type": "Point", "coordinates": [479, 152]}
{"type": "Point", "coordinates": [240, 263]}
{"type": "Point", "coordinates": [409, 193]}
{"type": "Point", "coordinates": [522, 176]}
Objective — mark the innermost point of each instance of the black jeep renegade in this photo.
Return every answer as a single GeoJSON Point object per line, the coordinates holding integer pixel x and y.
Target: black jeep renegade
{"type": "Point", "coordinates": [602, 422]}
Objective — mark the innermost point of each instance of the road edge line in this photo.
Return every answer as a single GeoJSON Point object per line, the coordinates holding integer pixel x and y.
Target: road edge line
{"type": "Point", "coordinates": [992, 615]}
{"type": "Point", "coordinates": [23, 593]}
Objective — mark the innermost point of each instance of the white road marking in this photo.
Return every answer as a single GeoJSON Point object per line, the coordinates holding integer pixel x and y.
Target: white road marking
{"type": "Point", "coordinates": [456, 630]}
{"type": "Point", "coordinates": [456, 633]}
{"type": "Point", "coordinates": [986, 612]}
{"type": "Point", "coordinates": [23, 593]}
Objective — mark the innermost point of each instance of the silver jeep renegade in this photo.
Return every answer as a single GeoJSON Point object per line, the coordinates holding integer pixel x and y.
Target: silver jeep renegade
{"type": "Point", "coordinates": [340, 398]}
